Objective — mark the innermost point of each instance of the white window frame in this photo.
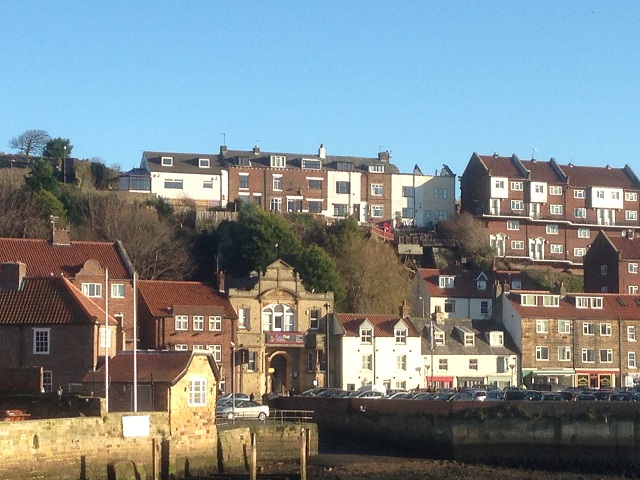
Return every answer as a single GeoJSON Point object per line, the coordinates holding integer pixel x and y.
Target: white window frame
{"type": "Point", "coordinates": [585, 355]}
{"type": "Point", "coordinates": [117, 290]}
{"type": "Point", "coordinates": [513, 224]}
{"type": "Point", "coordinates": [216, 350]}
{"type": "Point", "coordinates": [632, 289]}
{"type": "Point", "coordinates": [542, 326]}
{"type": "Point", "coordinates": [377, 189]}
{"type": "Point", "coordinates": [401, 336]}
{"type": "Point", "coordinates": [366, 335]}
{"type": "Point", "coordinates": [367, 362]}
{"type": "Point", "coordinates": [198, 323]}
{"type": "Point", "coordinates": [605, 330]}
{"type": "Point", "coordinates": [243, 181]}
{"type": "Point", "coordinates": [631, 333]}
{"type": "Point", "coordinates": [197, 392]}
{"type": "Point", "coordinates": [542, 353]}
{"type": "Point", "coordinates": [584, 233]}
{"type": "Point", "coordinates": [204, 163]}
{"type": "Point", "coordinates": [556, 209]}
{"type": "Point", "coordinates": [517, 205]}
{"type": "Point", "coordinates": [166, 161]}
{"type": "Point", "coordinates": [552, 229]}
{"type": "Point", "coordinates": [632, 268]}
{"type": "Point", "coordinates": [579, 194]}
{"type": "Point", "coordinates": [588, 329]}
{"type": "Point", "coordinates": [608, 355]}
{"type": "Point", "coordinates": [631, 196]}
{"type": "Point", "coordinates": [580, 212]}
{"type": "Point", "coordinates": [41, 341]}
{"type": "Point", "coordinates": [401, 362]}
{"type": "Point", "coordinates": [92, 290]}
{"type": "Point", "coordinates": [517, 186]}
{"type": "Point", "coordinates": [564, 353]}
{"type": "Point", "coordinates": [377, 211]}
{"type": "Point", "coordinates": [181, 346]}
{"type": "Point", "coordinates": [631, 215]}
{"type": "Point", "coordinates": [473, 364]}
{"type": "Point", "coordinates": [182, 323]}
{"type": "Point", "coordinates": [579, 252]}
{"type": "Point", "coordinates": [555, 190]}
{"type": "Point", "coordinates": [564, 327]}
{"type": "Point", "coordinates": [632, 360]}
{"type": "Point", "coordinates": [556, 248]}
{"type": "Point", "coordinates": [517, 244]}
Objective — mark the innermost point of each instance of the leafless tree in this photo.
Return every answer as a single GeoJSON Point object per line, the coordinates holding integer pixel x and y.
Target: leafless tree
{"type": "Point", "coordinates": [30, 142]}
{"type": "Point", "coordinates": [20, 215]}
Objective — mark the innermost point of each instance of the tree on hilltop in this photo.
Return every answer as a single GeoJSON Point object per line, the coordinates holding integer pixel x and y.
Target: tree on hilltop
{"type": "Point", "coordinates": [30, 142]}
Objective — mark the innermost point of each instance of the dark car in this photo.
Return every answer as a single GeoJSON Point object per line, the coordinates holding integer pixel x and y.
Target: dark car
{"type": "Point", "coordinates": [585, 397]}
{"type": "Point", "coordinates": [552, 397]}
{"type": "Point", "coordinates": [519, 395]}
{"type": "Point", "coordinates": [622, 397]}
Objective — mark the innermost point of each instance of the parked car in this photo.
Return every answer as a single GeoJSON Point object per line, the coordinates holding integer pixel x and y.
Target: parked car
{"type": "Point", "coordinates": [443, 397]}
{"type": "Point", "coordinates": [367, 394]}
{"type": "Point", "coordinates": [333, 393]}
{"type": "Point", "coordinates": [422, 396]}
{"type": "Point", "coordinates": [403, 395]}
{"type": "Point", "coordinates": [478, 395]}
{"type": "Point", "coordinates": [494, 396]}
{"type": "Point", "coordinates": [585, 397]}
{"type": "Point", "coordinates": [244, 409]}
{"type": "Point", "coordinates": [552, 397]}
{"type": "Point", "coordinates": [463, 397]}
{"type": "Point", "coordinates": [602, 395]}
{"type": "Point", "coordinates": [226, 398]}
{"type": "Point", "coordinates": [622, 397]}
{"type": "Point", "coordinates": [394, 391]}
{"type": "Point", "coordinates": [313, 392]}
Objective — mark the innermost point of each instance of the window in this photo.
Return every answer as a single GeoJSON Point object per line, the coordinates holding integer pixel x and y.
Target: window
{"type": "Point", "coordinates": [542, 353]}
{"type": "Point", "coordinates": [517, 244]}
{"type": "Point", "coordinates": [343, 188]}
{"type": "Point", "coordinates": [401, 335]}
{"type": "Point", "coordinates": [276, 204]}
{"type": "Point", "coordinates": [513, 225]}
{"type": "Point", "coordinates": [579, 252]}
{"type": "Point", "coordinates": [215, 322]}
{"type": "Point", "coordinates": [564, 327]}
{"type": "Point", "coordinates": [556, 209]}
{"type": "Point", "coordinates": [499, 184]}
{"type": "Point", "coordinates": [441, 215]}
{"type": "Point", "coordinates": [207, 184]}
{"type": "Point", "coordinates": [105, 337]}
{"type": "Point", "coordinates": [588, 355]}
{"type": "Point", "coordinates": [204, 163]}
{"type": "Point", "coordinates": [47, 381]}
{"type": "Point", "coordinates": [631, 333]}
{"type": "Point", "coordinates": [450, 306]}
{"type": "Point", "coordinates": [440, 193]}
{"type": "Point", "coordinates": [603, 269]}
{"type": "Point", "coordinates": [631, 359]}
{"type": "Point", "coordinates": [315, 206]}
{"type": "Point", "coordinates": [278, 161]}
{"type": "Point", "coordinates": [243, 319]}
{"type": "Point", "coordinates": [555, 190]}
{"type": "Point", "coordinates": [401, 362]}
{"type": "Point", "coordinates": [166, 161]}
{"type": "Point", "coordinates": [311, 164]}
{"type": "Point", "coordinates": [542, 326]}
{"type": "Point", "coordinates": [310, 362]}
{"type": "Point", "coordinates": [446, 281]}
{"type": "Point", "coordinates": [376, 189]}
{"type": "Point", "coordinates": [599, 193]}
{"type": "Point", "coordinates": [407, 191]}
{"type": "Point", "coordinates": [604, 289]}
{"type": "Point", "coordinates": [443, 364]}
{"type": "Point", "coordinates": [173, 184]}
{"type": "Point", "coordinates": [438, 337]}
{"type": "Point", "coordinates": [182, 322]}
{"type": "Point", "coordinates": [529, 300]}
{"type": "Point", "coordinates": [367, 362]}
{"type": "Point", "coordinates": [516, 284]}
{"type": "Point", "coordinates": [376, 211]}
{"type": "Point", "coordinates": [243, 181]}
{"type": "Point", "coordinates": [496, 339]}
{"type": "Point", "coordinates": [550, 300]}
{"type": "Point", "coordinates": [552, 229]}
{"type": "Point", "coordinates": [557, 248]}
{"type": "Point", "coordinates": [484, 307]}
{"type": "Point", "coordinates": [277, 182]}
{"type": "Point", "coordinates": [278, 318]}
{"type": "Point", "coordinates": [481, 284]}
{"type": "Point", "coordinates": [216, 350]}
{"type": "Point", "coordinates": [473, 364]}
{"type": "Point", "coordinates": [407, 212]}
{"type": "Point", "coordinates": [376, 168]}
{"type": "Point", "coordinates": [314, 183]}
{"type": "Point", "coordinates": [197, 392]}
{"type": "Point", "coordinates": [588, 328]}
{"type": "Point", "coordinates": [117, 290]}
{"type": "Point", "coordinates": [41, 341]}
{"type": "Point", "coordinates": [564, 354]}
{"type": "Point", "coordinates": [605, 329]}
{"type": "Point", "coordinates": [633, 268]}
{"type": "Point", "coordinates": [92, 290]}
{"type": "Point", "coordinates": [314, 319]}
{"type": "Point", "coordinates": [469, 339]}
{"type": "Point", "coordinates": [631, 215]}
{"type": "Point", "coordinates": [538, 188]}
{"type": "Point", "coordinates": [345, 166]}
{"type": "Point", "coordinates": [181, 346]}
{"type": "Point", "coordinates": [517, 186]}
{"type": "Point", "coordinates": [252, 361]}
{"type": "Point", "coordinates": [578, 194]}
{"type": "Point", "coordinates": [633, 289]}
{"type": "Point", "coordinates": [588, 302]}
{"type": "Point", "coordinates": [580, 212]}
{"type": "Point", "coordinates": [517, 205]}
{"type": "Point", "coordinates": [631, 196]}
{"type": "Point", "coordinates": [366, 335]}
{"type": "Point", "coordinates": [584, 233]}
{"type": "Point", "coordinates": [294, 205]}
{"type": "Point", "coordinates": [198, 322]}
{"type": "Point", "coordinates": [340, 210]}
{"type": "Point", "coordinates": [606, 355]}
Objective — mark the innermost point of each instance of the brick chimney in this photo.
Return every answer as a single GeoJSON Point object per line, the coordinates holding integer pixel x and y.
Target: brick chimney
{"type": "Point", "coordinates": [11, 275]}
{"type": "Point", "coordinates": [405, 309]}
{"type": "Point", "coordinates": [221, 281]}
{"type": "Point", "coordinates": [256, 150]}
{"type": "Point", "coordinates": [223, 149]}
{"type": "Point", "coordinates": [61, 236]}
{"type": "Point", "coordinates": [384, 156]}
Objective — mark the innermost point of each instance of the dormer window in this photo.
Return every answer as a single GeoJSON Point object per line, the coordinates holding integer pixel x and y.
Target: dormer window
{"type": "Point", "coordinates": [516, 284]}
{"type": "Point", "coordinates": [401, 335]}
{"type": "Point", "coordinates": [588, 302]}
{"type": "Point", "coordinates": [446, 281]}
{"type": "Point", "coordinates": [366, 335]}
{"type": "Point", "coordinates": [551, 300]}
{"type": "Point", "coordinates": [528, 300]}
{"type": "Point", "coordinates": [376, 168]}
{"type": "Point", "coordinates": [278, 161]}
{"type": "Point", "coordinates": [438, 337]}
{"type": "Point", "coordinates": [346, 166]}
{"type": "Point", "coordinates": [244, 162]}
{"type": "Point", "coordinates": [311, 164]}
{"type": "Point", "coordinates": [481, 284]}
{"type": "Point", "coordinates": [204, 162]}
{"type": "Point", "coordinates": [469, 339]}
{"type": "Point", "coordinates": [166, 161]}
{"type": "Point", "coordinates": [496, 339]}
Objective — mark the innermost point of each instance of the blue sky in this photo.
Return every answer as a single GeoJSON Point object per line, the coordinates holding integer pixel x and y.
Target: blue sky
{"type": "Point", "coordinates": [429, 81]}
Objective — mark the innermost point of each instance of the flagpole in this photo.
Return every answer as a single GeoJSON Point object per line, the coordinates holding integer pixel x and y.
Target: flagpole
{"type": "Point", "coordinates": [135, 342]}
{"type": "Point", "coordinates": [107, 338]}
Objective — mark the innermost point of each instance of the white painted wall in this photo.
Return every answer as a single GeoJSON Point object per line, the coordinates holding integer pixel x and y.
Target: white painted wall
{"type": "Point", "coordinates": [355, 197]}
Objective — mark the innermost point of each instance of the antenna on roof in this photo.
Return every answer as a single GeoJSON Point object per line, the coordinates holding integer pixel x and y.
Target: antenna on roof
{"type": "Point", "coordinates": [533, 153]}
{"type": "Point", "coordinates": [224, 139]}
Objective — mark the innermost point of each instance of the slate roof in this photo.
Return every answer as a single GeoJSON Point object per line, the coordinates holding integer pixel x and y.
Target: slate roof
{"type": "Point", "coordinates": [294, 160]}
{"type": "Point", "coordinates": [454, 344]}
{"type": "Point", "coordinates": [383, 325]}
{"type": "Point", "coordinates": [464, 285]}
{"type": "Point", "coordinates": [47, 301]}
{"type": "Point", "coordinates": [507, 277]}
{"type": "Point", "coordinates": [42, 258]}
{"type": "Point", "coordinates": [184, 163]}
{"type": "Point", "coordinates": [163, 366]}
{"type": "Point", "coordinates": [159, 295]}
{"type": "Point", "coordinates": [614, 306]}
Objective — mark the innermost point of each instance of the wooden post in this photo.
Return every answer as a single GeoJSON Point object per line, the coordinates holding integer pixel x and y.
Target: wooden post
{"type": "Point", "coordinates": [254, 458]}
{"type": "Point", "coordinates": [303, 454]}
{"type": "Point", "coordinates": [154, 458]}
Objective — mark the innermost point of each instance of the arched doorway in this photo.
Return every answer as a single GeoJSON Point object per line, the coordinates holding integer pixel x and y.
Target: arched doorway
{"type": "Point", "coordinates": [279, 375]}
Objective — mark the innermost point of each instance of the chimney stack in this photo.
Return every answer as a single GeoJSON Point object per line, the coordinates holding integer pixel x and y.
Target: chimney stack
{"type": "Point", "coordinates": [384, 156]}
{"type": "Point", "coordinates": [11, 275]}
{"type": "Point", "coordinates": [322, 152]}
{"type": "Point", "coordinates": [223, 149]}
{"type": "Point", "coordinates": [256, 150]}
{"type": "Point", "coordinates": [61, 236]}
{"type": "Point", "coordinates": [405, 309]}
{"type": "Point", "coordinates": [221, 281]}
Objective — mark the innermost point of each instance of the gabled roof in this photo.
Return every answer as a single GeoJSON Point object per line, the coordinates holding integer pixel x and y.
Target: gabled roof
{"type": "Point", "coordinates": [628, 247]}
{"type": "Point", "coordinates": [184, 163]}
{"type": "Point", "coordinates": [42, 258]}
{"type": "Point", "coordinates": [383, 325]}
{"type": "Point", "coordinates": [165, 366]}
{"type": "Point", "coordinates": [599, 177]}
{"type": "Point", "coordinates": [501, 166]}
{"type": "Point", "coordinates": [614, 306]}
{"type": "Point", "coordinates": [159, 295]}
{"type": "Point", "coordinates": [454, 345]}
{"type": "Point", "coordinates": [464, 285]}
{"type": "Point", "coordinates": [46, 301]}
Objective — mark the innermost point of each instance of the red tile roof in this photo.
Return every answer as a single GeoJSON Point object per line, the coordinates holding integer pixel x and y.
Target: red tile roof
{"type": "Point", "coordinates": [629, 248]}
{"type": "Point", "coordinates": [158, 295]}
{"type": "Point", "coordinates": [598, 177]}
{"type": "Point", "coordinates": [501, 166]}
{"type": "Point", "coordinates": [464, 285]}
{"type": "Point", "coordinates": [43, 259]}
{"type": "Point", "coordinates": [541, 171]}
{"type": "Point", "coordinates": [49, 300]}
{"type": "Point", "coordinates": [383, 325]}
{"type": "Point", "coordinates": [614, 306]}
{"type": "Point", "coordinates": [166, 366]}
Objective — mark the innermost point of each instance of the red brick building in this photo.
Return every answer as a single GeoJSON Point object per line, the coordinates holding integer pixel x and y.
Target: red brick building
{"type": "Point", "coordinates": [611, 264]}
{"type": "Point", "coordinates": [545, 212]}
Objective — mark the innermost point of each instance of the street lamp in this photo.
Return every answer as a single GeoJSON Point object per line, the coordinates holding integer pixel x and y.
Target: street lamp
{"type": "Point", "coordinates": [326, 383]}
{"type": "Point", "coordinates": [512, 366]}
{"type": "Point", "coordinates": [233, 380]}
{"type": "Point", "coordinates": [64, 155]}
{"type": "Point", "coordinates": [421, 298]}
{"type": "Point", "coordinates": [429, 385]}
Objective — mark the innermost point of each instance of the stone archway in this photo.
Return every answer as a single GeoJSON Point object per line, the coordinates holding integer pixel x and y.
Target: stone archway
{"type": "Point", "coordinates": [280, 366]}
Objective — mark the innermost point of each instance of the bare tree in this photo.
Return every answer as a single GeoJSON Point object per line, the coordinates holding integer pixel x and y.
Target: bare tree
{"type": "Point", "coordinates": [30, 142]}
{"type": "Point", "coordinates": [20, 215]}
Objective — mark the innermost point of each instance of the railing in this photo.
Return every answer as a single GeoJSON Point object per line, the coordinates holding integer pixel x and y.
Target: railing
{"type": "Point", "coordinates": [278, 416]}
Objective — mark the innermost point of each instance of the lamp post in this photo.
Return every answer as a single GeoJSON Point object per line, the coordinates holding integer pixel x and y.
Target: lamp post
{"type": "Point", "coordinates": [326, 383]}
{"type": "Point", "coordinates": [64, 155]}
{"type": "Point", "coordinates": [233, 381]}
{"type": "Point", "coordinates": [429, 383]}
{"type": "Point", "coordinates": [512, 366]}
{"type": "Point", "coordinates": [422, 298]}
